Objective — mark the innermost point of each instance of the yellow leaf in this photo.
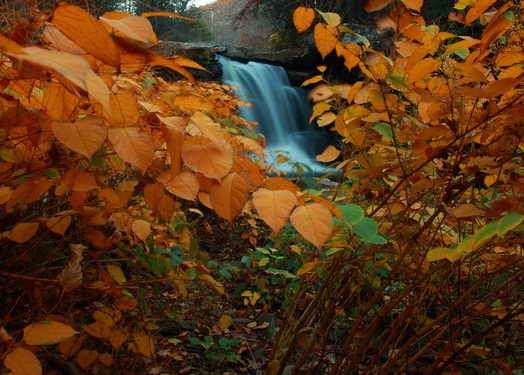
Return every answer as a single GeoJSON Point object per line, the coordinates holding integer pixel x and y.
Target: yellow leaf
{"type": "Point", "coordinates": [116, 273]}
{"type": "Point", "coordinates": [141, 229]}
{"type": "Point", "coordinates": [132, 145]}
{"type": "Point", "coordinates": [314, 222]}
{"type": "Point", "coordinates": [314, 79]}
{"type": "Point", "coordinates": [142, 344]}
{"type": "Point", "coordinates": [463, 4]}
{"type": "Point", "coordinates": [23, 232]}
{"type": "Point", "coordinates": [303, 18]}
{"type": "Point", "coordinates": [326, 38]}
{"type": "Point", "coordinates": [229, 196]}
{"type": "Point", "coordinates": [47, 333]}
{"type": "Point", "coordinates": [184, 185]}
{"type": "Point", "coordinates": [329, 154]}
{"type": "Point", "coordinates": [22, 362]}
{"type": "Point", "coordinates": [225, 322]}
{"type": "Point", "coordinates": [274, 206]}
{"type": "Point", "coordinates": [210, 159]}
{"type": "Point", "coordinates": [319, 109]}
{"type": "Point", "coordinates": [71, 275]}
{"type": "Point", "coordinates": [86, 31]}
{"type": "Point", "coordinates": [85, 136]}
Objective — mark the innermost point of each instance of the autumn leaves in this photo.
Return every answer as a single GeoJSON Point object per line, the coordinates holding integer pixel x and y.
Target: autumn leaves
{"type": "Point", "coordinates": [114, 125]}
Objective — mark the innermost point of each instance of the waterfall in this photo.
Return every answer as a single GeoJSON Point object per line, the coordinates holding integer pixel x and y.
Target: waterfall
{"type": "Point", "coordinates": [281, 111]}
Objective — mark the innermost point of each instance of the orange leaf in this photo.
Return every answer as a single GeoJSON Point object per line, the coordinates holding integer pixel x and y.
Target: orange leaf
{"type": "Point", "coordinates": [314, 222]}
{"type": "Point", "coordinates": [509, 58]}
{"type": "Point", "coordinates": [477, 10]}
{"type": "Point", "coordinates": [71, 275]}
{"type": "Point", "coordinates": [173, 138]}
{"type": "Point", "coordinates": [192, 101]}
{"type": "Point", "coordinates": [230, 196]}
{"type": "Point", "coordinates": [329, 154]}
{"type": "Point", "coordinates": [500, 86]}
{"type": "Point", "coordinates": [142, 344]}
{"type": "Point", "coordinates": [413, 4]}
{"type": "Point", "coordinates": [202, 125]}
{"type": "Point", "coordinates": [274, 206]}
{"type": "Point", "coordinates": [22, 232]}
{"type": "Point", "coordinates": [423, 69]}
{"type": "Point", "coordinates": [74, 68]}
{"type": "Point", "coordinates": [59, 224]}
{"type": "Point", "coordinates": [124, 109]}
{"type": "Point", "coordinates": [184, 185]}
{"type": "Point", "coordinates": [60, 104]}
{"type": "Point", "coordinates": [22, 362]}
{"type": "Point", "coordinates": [279, 183]}
{"type": "Point", "coordinates": [47, 332]}
{"type": "Point", "coordinates": [153, 194]}
{"type": "Point", "coordinates": [494, 31]}
{"type": "Point", "coordinates": [86, 31]}
{"type": "Point", "coordinates": [141, 229]}
{"type": "Point", "coordinates": [303, 18]}
{"type": "Point", "coordinates": [326, 38]}
{"type": "Point", "coordinates": [467, 210]}
{"type": "Point", "coordinates": [133, 27]}
{"type": "Point", "coordinates": [374, 5]}
{"type": "Point", "coordinates": [61, 41]}
{"type": "Point", "coordinates": [132, 145]}
{"type": "Point", "coordinates": [85, 136]}
{"type": "Point", "coordinates": [470, 72]}
{"type": "Point", "coordinates": [210, 159]}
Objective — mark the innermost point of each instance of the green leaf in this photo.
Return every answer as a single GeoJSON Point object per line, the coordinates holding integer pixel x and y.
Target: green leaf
{"type": "Point", "coordinates": [366, 229]}
{"type": "Point", "coordinates": [332, 19]}
{"type": "Point", "coordinates": [352, 213]}
{"type": "Point", "coordinates": [158, 264]}
{"type": "Point", "coordinates": [384, 130]}
{"type": "Point", "coordinates": [378, 240]}
{"type": "Point", "coordinates": [485, 234]}
{"type": "Point", "coordinates": [192, 273]}
{"type": "Point", "coordinates": [284, 273]}
{"type": "Point", "coordinates": [438, 253]}
{"type": "Point", "coordinates": [195, 341]}
{"type": "Point", "coordinates": [508, 223]}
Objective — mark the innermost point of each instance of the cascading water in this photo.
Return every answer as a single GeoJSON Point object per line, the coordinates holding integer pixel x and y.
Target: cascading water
{"type": "Point", "coordinates": [281, 111]}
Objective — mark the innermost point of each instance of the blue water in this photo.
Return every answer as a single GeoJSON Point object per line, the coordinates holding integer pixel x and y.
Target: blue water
{"type": "Point", "coordinates": [282, 113]}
